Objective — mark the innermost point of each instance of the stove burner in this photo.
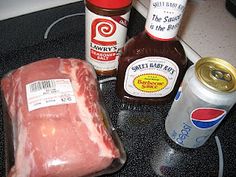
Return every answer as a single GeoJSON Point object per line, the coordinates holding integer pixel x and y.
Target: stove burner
{"type": "Point", "coordinates": [58, 20]}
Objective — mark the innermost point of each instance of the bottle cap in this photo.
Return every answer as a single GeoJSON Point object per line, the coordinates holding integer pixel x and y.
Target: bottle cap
{"type": "Point", "coordinates": [111, 4]}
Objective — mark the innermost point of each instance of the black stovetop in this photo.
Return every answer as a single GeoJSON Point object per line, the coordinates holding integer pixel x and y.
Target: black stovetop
{"type": "Point", "coordinates": [150, 153]}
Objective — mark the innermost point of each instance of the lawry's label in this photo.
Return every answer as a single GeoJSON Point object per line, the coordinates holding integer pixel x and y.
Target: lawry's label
{"type": "Point", "coordinates": [151, 77]}
{"type": "Point", "coordinates": [105, 36]}
{"type": "Point", "coordinates": [44, 93]}
{"type": "Point", "coordinates": [164, 18]}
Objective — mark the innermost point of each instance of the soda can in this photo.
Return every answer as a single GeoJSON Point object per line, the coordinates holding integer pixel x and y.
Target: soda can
{"type": "Point", "coordinates": [206, 95]}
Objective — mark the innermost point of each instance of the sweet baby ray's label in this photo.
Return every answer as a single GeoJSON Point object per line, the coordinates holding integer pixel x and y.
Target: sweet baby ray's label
{"type": "Point", "coordinates": [164, 18]}
{"type": "Point", "coordinates": [44, 93]}
{"type": "Point", "coordinates": [151, 77]}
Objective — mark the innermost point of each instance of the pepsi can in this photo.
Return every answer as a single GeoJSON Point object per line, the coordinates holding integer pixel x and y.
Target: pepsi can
{"type": "Point", "coordinates": [205, 96]}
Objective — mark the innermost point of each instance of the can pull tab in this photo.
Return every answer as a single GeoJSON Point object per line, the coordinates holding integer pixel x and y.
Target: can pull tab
{"type": "Point", "coordinates": [221, 75]}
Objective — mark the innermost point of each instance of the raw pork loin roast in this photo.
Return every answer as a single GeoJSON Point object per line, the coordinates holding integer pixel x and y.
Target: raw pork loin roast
{"type": "Point", "coordinates": [57, 120]}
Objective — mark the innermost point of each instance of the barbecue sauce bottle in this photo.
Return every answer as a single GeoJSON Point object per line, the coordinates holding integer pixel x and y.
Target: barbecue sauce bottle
{"type": "Point", "coordinates": [105, 33]}
{"type": "Point", "coordinates": [153, 63]}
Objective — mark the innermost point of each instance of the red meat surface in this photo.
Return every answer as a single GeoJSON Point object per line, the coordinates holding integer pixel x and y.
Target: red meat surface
{"type": "Point", "coordinates": [65, 140]}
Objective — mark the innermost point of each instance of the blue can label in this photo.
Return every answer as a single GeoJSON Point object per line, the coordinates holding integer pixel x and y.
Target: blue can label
{"type": "Point", "coordinates": [196, 130]}
{"type": "Point", "coordinates": [206, 118]}
{"type": "Point", "coordinates": [183, 134]}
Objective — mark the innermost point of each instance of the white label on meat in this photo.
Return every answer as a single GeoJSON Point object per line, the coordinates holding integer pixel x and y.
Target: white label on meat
{"type": "Point", "coordinates": [44, 93]}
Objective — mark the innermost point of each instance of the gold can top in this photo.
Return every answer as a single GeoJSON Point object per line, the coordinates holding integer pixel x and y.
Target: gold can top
{"type": "Point", "coordinates": [216, 74]}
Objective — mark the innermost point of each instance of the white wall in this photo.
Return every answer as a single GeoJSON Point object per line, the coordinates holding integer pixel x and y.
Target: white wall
{"type": "Point", "coordinates": [13, 8]}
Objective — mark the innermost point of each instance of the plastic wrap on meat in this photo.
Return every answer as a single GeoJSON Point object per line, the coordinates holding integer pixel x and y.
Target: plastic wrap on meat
{"type": "Point", "coordinates": [57, 120]}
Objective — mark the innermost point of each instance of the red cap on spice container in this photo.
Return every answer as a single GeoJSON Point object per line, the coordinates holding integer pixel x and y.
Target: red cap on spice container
{"type": "Point", "coordinates": [111, 4]}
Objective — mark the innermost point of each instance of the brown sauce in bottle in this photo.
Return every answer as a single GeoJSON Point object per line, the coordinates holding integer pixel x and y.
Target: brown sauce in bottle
{"type": "Point", "coordinates": [143, 46]}
{"type": "Point", "coordinates": [150, 69]}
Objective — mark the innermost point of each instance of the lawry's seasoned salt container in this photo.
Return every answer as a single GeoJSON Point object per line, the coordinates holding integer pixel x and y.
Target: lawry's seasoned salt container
{"type": "Point", "coordinates": [106, 30]}
{"type": "Point", "coordinates": [203, 100]}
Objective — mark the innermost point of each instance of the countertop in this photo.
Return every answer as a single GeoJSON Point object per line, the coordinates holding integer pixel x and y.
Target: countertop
{"type": "Point", "coordinates": [207, 28]}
